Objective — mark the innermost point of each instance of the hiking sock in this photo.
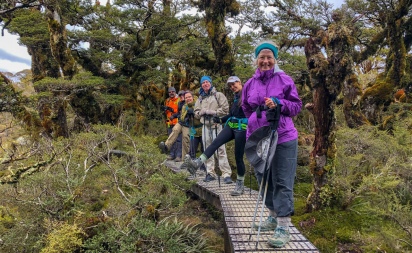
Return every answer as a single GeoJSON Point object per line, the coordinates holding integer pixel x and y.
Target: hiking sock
{"type": "Point", "coordinates": [241, 178]}
{"type": "Point", "coordinates": [284, 221]}
{"type": "Point", "coordinates": [273, 213]}
{"type": "Point", "coordinates": [203, 158]}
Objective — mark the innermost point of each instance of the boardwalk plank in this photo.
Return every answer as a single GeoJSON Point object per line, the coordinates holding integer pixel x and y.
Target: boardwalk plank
{"type": "Point", "coordinates": [238, 215]}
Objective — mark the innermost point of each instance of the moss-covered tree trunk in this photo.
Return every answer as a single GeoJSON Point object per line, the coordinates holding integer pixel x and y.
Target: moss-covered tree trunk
{"type": "Point", "coordinates": [58, 42]}
{"type": "Point", "coordinates": [327, 74]}
{"type": "Point", "coordinates": [215, 25]}
{"type": "Point", "coordinates": [42, 63]}
{"type": "Point", "coordinates": [11, 101]}
{"type": "Point", "coordinates": [352, 93]}
{"type": "Point", "coordinates": [396, 60]}
{"type": "Point", "coordinates": [32, 28]}
{"type": "Point", "coordinates": [377, 97]}
{"type": "Point", "coordinates": [52, 111]}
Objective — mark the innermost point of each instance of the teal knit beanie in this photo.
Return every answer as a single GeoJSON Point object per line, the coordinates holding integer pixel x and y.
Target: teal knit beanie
{"type": "Point", "coordinates": [267, 45]}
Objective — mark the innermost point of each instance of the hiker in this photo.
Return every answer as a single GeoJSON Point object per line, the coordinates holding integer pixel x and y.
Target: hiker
{"type": "Point", "coordinates": [171, 107]}
{"type": "Point", "coordinates": [184, 126]}
{"type": "Point", "coordinates": [181, 95]}
{"type": "Point", "coordinates": [212, 103]}
{"type": "Point", "coordinates": [235, 124]}
{"type": "Point", "coordinates": [195, 127]}
{"type": "Point", "coordinates": [269, 87]}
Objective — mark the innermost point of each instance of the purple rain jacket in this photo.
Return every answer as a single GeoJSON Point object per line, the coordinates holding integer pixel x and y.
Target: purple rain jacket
{"type": "Point", "coordinates": [271, 83]}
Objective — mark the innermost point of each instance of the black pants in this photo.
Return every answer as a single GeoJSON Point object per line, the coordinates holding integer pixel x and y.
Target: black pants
{"type": "Point", "coordinates": [227, 134]}
{"type": "Point", "coordinates": [194, 144]}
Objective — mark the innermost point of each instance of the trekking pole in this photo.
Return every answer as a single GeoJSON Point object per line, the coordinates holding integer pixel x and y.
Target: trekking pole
{"type": "Point", "coordinates": [204, 139]}
{"type": "Point", "coordinates": [192, 132]}
{"type": "Point", "coordinates": [217, 155]}
{"type": "Point", "coordinates": [274, 121]}
{"type": "Point", "coordinates": [250, 180]}
{"type": "Point", "coordinates": [257, 201]}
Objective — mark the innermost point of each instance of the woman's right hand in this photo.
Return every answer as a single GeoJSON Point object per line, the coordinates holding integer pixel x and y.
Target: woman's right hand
{"type": "Point", "coordinates": [269, 103]}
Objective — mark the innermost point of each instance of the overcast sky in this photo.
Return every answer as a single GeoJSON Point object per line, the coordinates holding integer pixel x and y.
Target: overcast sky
{"type": "Point", "coordinates": [14, 58]}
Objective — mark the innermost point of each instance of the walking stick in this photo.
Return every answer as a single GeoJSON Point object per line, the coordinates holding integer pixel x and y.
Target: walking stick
{"type": "Point", "coordinates": [192, 132]}
{"type": "Point", "coordinates": [204, 139]}
{"type": "Point", "coordinates": [250, 180]}
{"type": "Point", "coordinates": [215, 155]}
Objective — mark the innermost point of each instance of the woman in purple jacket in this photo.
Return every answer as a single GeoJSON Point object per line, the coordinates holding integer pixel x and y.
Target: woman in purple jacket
{"type": "Point", "coordinates": [268, 87]}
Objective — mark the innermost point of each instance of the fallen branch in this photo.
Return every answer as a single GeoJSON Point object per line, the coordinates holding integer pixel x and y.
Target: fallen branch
{"type": "Point", "coordinates": [15, 176]}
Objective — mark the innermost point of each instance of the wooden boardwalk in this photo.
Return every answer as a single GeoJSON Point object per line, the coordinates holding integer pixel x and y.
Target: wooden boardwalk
{"type": "Point", "coordinates": [238, 213]}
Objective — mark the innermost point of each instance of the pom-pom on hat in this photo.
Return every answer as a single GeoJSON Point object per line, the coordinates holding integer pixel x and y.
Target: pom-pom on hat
{"type": "Point", "coordinates": [205, 78]}
{"type": "Point", "coordinates": [171, 89]}
{"type": "Point", "coordinates": [267, 45]}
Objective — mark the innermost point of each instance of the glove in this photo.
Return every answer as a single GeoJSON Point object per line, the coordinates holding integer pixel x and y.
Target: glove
{"type": "Point", "coordinates": [202, 112]}
{"type": "Point", "coordinates": [163, 108]}
{"type": "Point", "coordinates": [217, 120]}
{"type": "Point", "coordinates": [210, 112]}
{"type": "Point", "coordinates": [172, 117]}
{"type": "Point", "coordinates": [170, 109]}
{"type": "Point", "coordinates": [190, 112]}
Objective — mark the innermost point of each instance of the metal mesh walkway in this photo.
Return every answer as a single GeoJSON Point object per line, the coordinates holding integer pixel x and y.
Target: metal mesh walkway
{"type": "Point", "coordinates": [238, 213]}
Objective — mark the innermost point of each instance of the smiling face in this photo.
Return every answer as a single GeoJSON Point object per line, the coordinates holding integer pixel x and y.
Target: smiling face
{"type": "Point", "coordinates": [206, 86]}
{"type": "Point", "coordinates": [266, 60]}
{"type": "Point", "coordinates": [188, 98]}
{"type": "Point", "coordinates": [172, 94]}
{"type": "Point", "coordinates": [235, 87]}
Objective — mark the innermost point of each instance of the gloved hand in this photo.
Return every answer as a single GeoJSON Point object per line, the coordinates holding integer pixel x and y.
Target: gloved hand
{"type": "Point", "coordinates": [202, 112]}
{"type": "Point", "coordinates": [217, 120]}
{"type": "Point", "coordinates": [163, 108]}
{"type": "Point", "coordinates": [209, 112]}
{"type": "Point", "coordinates": [190, 112]}
{"type": "Point", "coordinates": [169, 109]}
{"type": "Point", "coordinates": [172, 117]}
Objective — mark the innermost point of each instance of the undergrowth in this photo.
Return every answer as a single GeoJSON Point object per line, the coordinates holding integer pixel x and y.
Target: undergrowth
{"type": "Point", "coordinates": [102, 191]}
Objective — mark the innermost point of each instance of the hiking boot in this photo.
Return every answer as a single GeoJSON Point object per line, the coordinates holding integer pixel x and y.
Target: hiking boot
{"type": "Point", "coordinates": [269, 224]}
{"type": "Point", "coordinates": [239, 188]}
{"type": "Point", "coordinates": [227, 180]}
{"type": "Point", "coordinates": [280, 238]}
{"type": "Point", "coordinates": [170, 158]}
{"type": "Point", "coordinates": [209, 178]}
{"type": "Point", "coordinates": [163, 147]}
{"type": "Point", "coordinates": [191, 165]}
{"type": "Point", "coordinates": [178, 159]}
